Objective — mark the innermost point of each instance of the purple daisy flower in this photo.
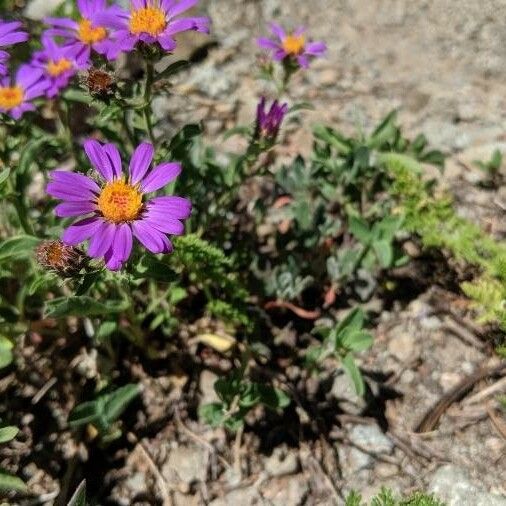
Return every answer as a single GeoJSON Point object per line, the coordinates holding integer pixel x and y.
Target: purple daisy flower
{"type": "Point", "coordinates": [10, 33]}
{"type": "Point", "coordinates": [292, 45]}
{"type": "Point", "coordinates": [58, 63]}
{"type": "Point", "coordinates": [115, 207]}
{"type": "Point", "coordinates": [151, 21]}
{"type": "Point", "coordinates": [268, 122]}
{"type": "Point", "coordinates": [84, 34]}
{"type": "Point", "coordinates": [16, 94]}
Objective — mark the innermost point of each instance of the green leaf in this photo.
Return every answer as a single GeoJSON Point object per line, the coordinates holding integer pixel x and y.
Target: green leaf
{"type": "Point", "coordinates": [172, 69]}
{"type": "Point", "coordinates": [212, 413]}
{"type": "Point", "coordinates": [357, 340]}
{"type": "Point", "coordinates": [9, 483]}
{"type": "Point", "coordinates": [308, 106]}
{"type": "Point", "coordinates": [150, 267]}
{"type": "Point", "coordinates": [17, 247]}
{"type": "Point", "coordinates": [360, 229]}
{"type": "Point", "coordinates": [243, 131]}
{"type": "Point", "coordinates": [5, 352]}
{"type": "Point", "coordinates": [117, 401]}
{"type": "Point", "coordinates": [354, 373]}
{"type": "Point", "coordinates": [30, 151]}
{"type": "Point", "coordinates": [81, 306]}
{"type": "Point", "coordinates": [354, 320]}
{"type": "Point", "coordinates": [4, 175]}
{"type": "Point", "coordinates": [75, 95]}
{"type": "Point", "coordinates": [79, 496]}
{"type": "Point", "coordinates": [8, 433]}
{"type": "Point", "coordinates": [274, 398]}
{"type": "Point", "coordinates": [384, 252]}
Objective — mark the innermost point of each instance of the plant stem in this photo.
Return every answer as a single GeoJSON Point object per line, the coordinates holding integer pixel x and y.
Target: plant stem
{"type": "Point", "coordinates": [147, 100]}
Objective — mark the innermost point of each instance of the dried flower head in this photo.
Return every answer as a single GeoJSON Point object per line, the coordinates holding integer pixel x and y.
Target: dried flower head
{"type": "Point", "coordinates": [65, 260]}
{"type": "Point", "coordinates": [99, 82]}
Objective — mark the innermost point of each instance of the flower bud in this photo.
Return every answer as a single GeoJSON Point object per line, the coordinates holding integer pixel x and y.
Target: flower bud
{"type": "Point", "coordinates": [269, 122]}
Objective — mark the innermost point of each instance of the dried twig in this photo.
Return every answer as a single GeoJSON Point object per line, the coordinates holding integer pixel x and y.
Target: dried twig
{"type": "Point", "coordinates": [431, 418]}
{"type": "Point", "coordinates": [160, 480]}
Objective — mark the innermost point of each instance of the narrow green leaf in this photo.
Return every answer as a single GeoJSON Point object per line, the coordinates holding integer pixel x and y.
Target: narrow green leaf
{"type": "Point", "coordinates": [172, 69]}
{"type": "Point", "coordinates": [81, 306]}
{"type": "Point", "coordinates": [384, 252]}
{"type": "Point", "coordinates": [17, 247]}
{"type": "Point", "coordinates": [79, 496]}
{"type": "Point", "coordinates": [354, 373]}
{"type": "Point", "coordinates": [358, 340]}
{"type": "Point", "coordinates": [117, 401]}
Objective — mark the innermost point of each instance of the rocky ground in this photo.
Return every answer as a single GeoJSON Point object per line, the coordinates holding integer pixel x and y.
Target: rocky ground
{"type": "Point", "coordinates": [443, 64]}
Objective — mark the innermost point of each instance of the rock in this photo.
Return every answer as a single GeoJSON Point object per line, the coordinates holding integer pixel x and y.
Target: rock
{"type": "Point", "coordinates": [39, 9]}
{"type": "Point", "coordinates": [281, 462]}
{"type": "Point", "coordinates": [451, 484]}
{"type": "Point", "coordinates": [448, 380]}
{"type": "Point", "coordinates": [371, 437]}
{"type": "Point", "coordinates": [402, 345]}
{"type": "Point", "coordinates": [288, 491]}
{"type": "Point", "coordinates": [186, 464]}
{"type": "Point", "coordinates": [206, 386]}
{"type": "Point", "coordinates": [243, 497]}
{"type": "Point", "coordinates": [344, 391]}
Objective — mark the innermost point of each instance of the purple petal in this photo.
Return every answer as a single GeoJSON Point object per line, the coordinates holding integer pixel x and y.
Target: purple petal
{"type": "Point", "coordinates": [167, 42]}
{"type": "Point", "coordinates": [102, 239]}
{"type": "Point", "coordinates": [278, 31]}
{"type": "Point", "coordinates": [62, 23]}
{"type": "Point", "coordinates": [150, 237]}
{"type": "Point", "coordinates": [266, 43]}
{"type": "Point", "coordinates": [140, 161]}
{"type": "Point", "coordinates": [115, 159]}
{"type": "Point", "coordinates": [171, 206]}
{"type": "Point", "coordinates": [27, 75]}
{"type": "Point", "coordinates": [13, 38]}
{"type": "Point", "coordinates": [160, 176]}
{"type": "Point", "coordinates": [198, 24]}
{"type": "Point", "coordinates": [112, 262]}
{"type": "Point", "coordinates": [74, 209]}
{"type": "Point", "coordinates": [62, 190]}
{"type": "Point", "coordinates": [99, 159]}
{"type": "Point", "coordinates": [164, 224]}
{"type": "Point", "coordinates": [181, 6]}
{"type": "Point", "coordinates": [123, 241]}
{"type": "Point", "coordinates": [81, 231]}
{"type": "Point", "coordinates": [316, 48]}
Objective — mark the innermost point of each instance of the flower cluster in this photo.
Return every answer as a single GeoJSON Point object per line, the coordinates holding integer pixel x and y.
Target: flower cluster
{"type": "Point", "coordinates": [68, 45]}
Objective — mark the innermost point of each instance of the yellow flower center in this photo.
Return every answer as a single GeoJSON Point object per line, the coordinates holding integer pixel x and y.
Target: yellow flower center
{"type": "Point", "coordinates": [89, 34]}
{"type": "Point", "coordinates": [55, 68]}
{"type": "Point", "coordinates": [10, 97]}
{"type": "Point", "coordinates": [294, 44]}
{"type": "Point", "coordinates": [149, 20]}
{"type": "Point", "coordinates": [120, 201]}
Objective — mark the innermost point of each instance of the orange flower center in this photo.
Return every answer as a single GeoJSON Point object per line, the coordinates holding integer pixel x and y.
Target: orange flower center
{"type": "Point", "coordinates": [149, 20]}
{"type": "Point", "coordinates": [89, 34]}
{"type": "Point", "coordinates": [10, 97]}
{"type": "Point", "coordinates": [294, 44]}
{"type": "Point", "coordinates": [120, 201]}
{"type": "Point", "coordinates": [55, 68]}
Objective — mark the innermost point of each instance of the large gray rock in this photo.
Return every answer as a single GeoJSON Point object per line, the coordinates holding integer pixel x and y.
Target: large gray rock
{"type": "Point", "coordinates": [452, 485]}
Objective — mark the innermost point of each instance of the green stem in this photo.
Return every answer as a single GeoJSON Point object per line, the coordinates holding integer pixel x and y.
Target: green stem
{"type": "Point", "coordinates": [147, 100]}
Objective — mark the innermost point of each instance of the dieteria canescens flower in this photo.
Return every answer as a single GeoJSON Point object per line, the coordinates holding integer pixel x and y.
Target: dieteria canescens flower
{"type": "Point", "coordinates": [16, 94]}
{"type": "Point", "coordinates": [10, 34]}
{"type": "Point", "coordinates": [116, 209]}
{"type": "Point", "coordinates": [151, 21]}
{"type": "Point", "coordinates": [268, 122]}
{"type": "Point", "coordinates": [293, 46]}
{"type": "Point", "coordinates": [58, 64]}
{"type": "Point", "coordinates": [65, 260]}
{"type": "Point", "coordinates": [86, 33]}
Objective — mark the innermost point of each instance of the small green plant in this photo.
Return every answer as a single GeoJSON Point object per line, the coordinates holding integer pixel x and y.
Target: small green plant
{"type": "Point", "coordinates": [104, 411]}
{"type": "Point", "coordinates": [79, 496]}
{"type": "Point", "coordinates": [387, 498]}
{"type": "Point", "coordinates": [8, 482]}
{"type": "Point", "coordinates": [492, 168]}
{"type": "Point", "coordinates": [238, 396]}
{"type": "Point", "coordinates": [341, 342]}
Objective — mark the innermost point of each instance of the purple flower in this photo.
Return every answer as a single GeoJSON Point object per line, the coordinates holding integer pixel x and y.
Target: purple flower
{"type": "Point", "coordinates": [292, 45]}
{"type": "Point", "coordinates": [151, 21]}
{"type": "Point", "coordinates": [58, 64]}
{"type": "Point", "coordinates": [85, 34]}
{"type": "Point", "coordinates": [16, 94]}
{"type": "Point", "coordinates": [115, 207]}
{"type": "Point", "coordinates": [269, 122]}
{"type": "Point", "coordinates": [9, 34]}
